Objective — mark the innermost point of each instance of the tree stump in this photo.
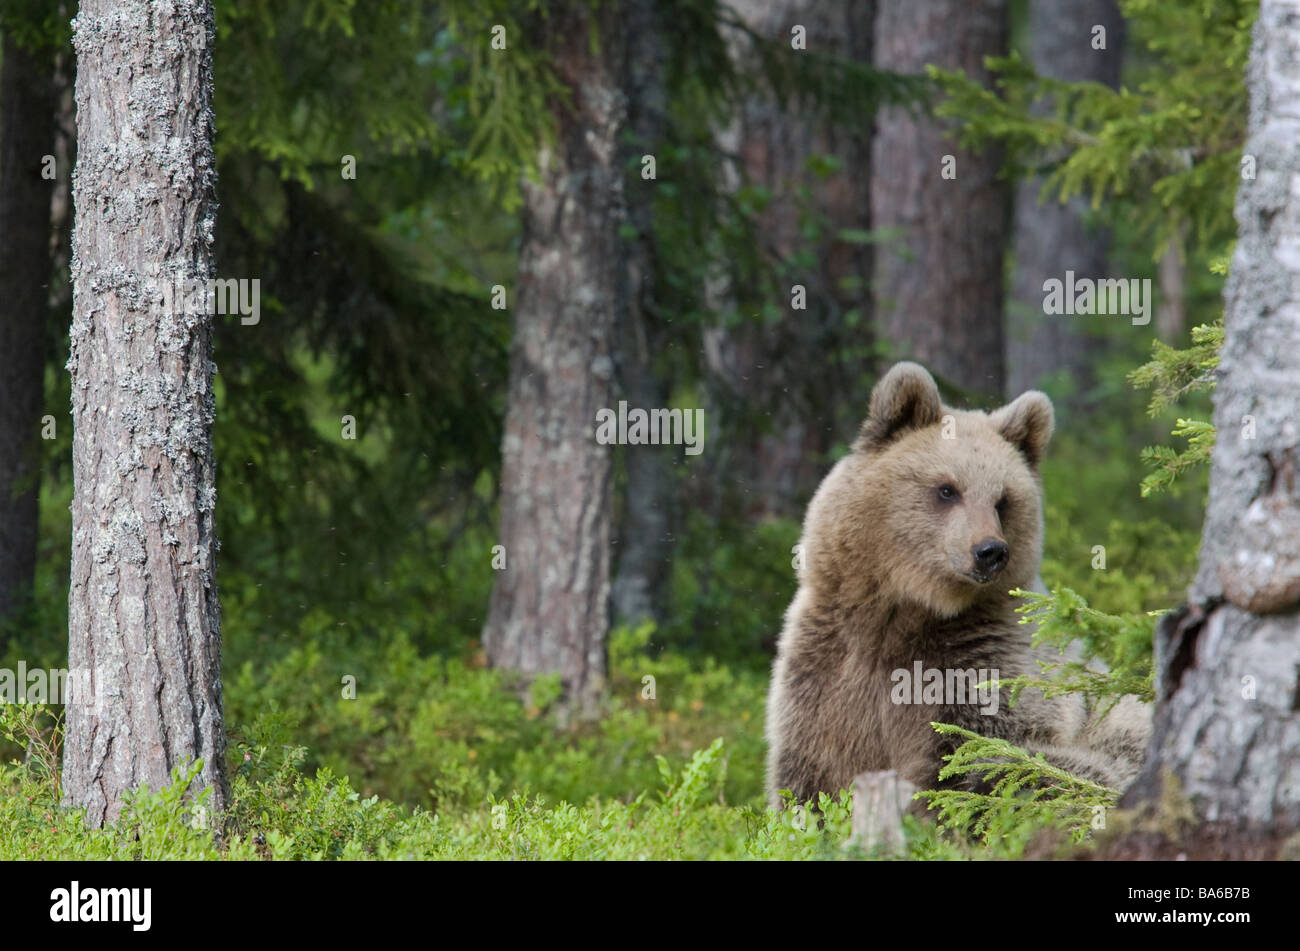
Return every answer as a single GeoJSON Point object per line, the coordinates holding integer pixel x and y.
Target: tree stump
{"type": "Point", "coordinates": [880, 799]}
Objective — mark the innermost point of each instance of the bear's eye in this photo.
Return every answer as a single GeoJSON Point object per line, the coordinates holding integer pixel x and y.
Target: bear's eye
{"type": "Point", "coordinates": [1002, 505]}
{"type": "Point", "coordinates": [947, 493]}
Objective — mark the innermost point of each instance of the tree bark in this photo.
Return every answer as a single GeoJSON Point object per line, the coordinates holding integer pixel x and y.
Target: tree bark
{"type": "Point", "coordinates": [1052, 237]}
{"type": "Point", "coordinates": [787, 390]}
{"type": "Point", "coordinates": [1227, 728]}
{"type": "Point", "coordinates": [644, 539]}
{"type": "Point", "coordinates": [1171, 278]}
{"type": "Point", "coordinates": [881, 799]}
{"type": "Point", "coordinates": [144, 620]}
{"type": "Point", "coordinates": [549, 610]}
{"type": "Point", "coordinates": [27, 133]}
{"type": "Point", "coordinates": [938, 284]}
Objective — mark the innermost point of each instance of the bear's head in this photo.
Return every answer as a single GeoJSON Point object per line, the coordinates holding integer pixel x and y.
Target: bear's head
{"type": "Point", "coordinates": [935, 507]}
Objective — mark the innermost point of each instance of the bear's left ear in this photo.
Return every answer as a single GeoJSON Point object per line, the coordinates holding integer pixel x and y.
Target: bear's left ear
{"type": "Point", "coordinates": [1027, 423]}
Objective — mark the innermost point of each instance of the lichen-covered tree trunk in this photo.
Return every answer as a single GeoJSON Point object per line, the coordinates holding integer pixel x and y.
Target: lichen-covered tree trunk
{"type": "Point", "coordinates": [643, 544]}
{"type": "Point", "coordinates": [27, 134]}
{"type": "Point", "coordinates": [549, 610]}
{"type": "Point", "coordinates": [938, 283]}
{"type": "Point", "coordinates": [143, 613]}
{"type": "Point", "coordinates": [1051, 237]}
{"type": "Point", "coordinates": [1227, 723]}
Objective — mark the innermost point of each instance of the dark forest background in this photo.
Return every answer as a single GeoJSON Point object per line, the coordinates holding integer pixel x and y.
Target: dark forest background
{"type": "Point", "coordinates": [381, 173]}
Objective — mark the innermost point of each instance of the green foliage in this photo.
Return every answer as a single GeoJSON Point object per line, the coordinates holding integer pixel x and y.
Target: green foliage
{"type": "Point", "coordinates": [1104, 658]}
{"type": "Point", "coordinates": [1121, 643]}
{"type": "Point", "coordinates": [39, 26]}
{"type": "Point", "coordinates": [1172, 375]}
{"type": "Point", "coordinates": [37, 731]}
{"type": "Point", "coordinates": [508, 98]}
{"type": "Point", "coordinates": [164, 824]}
{"type": "Point", "coordinates": [1169, 463]}
{"type": "Point", "coordinates": [1027, 792]}
{"type": "Point", "coordinates": [431, 83]}
{"type": "Point", "coordinates": [1148, 544]}
{"type": "Point", "coordinates": [489, 775]}
{"type": "Point", "coordinates": [446, 732]}
{"type": "Point", "coordinates": [1147, 563]}
{"type": "Point", "coordinates": [1161, 146]}
{"type": "Point", "coordinates": [729, 585]}
{"type": "Point", "coordinates": [279, 813]}
{"type": "Point", "coordinates": [372, 307]}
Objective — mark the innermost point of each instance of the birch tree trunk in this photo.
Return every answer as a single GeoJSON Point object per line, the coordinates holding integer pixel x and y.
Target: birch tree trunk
{"type": "Point", "coordinates": [27, 133]}
{"type": "Point", "coordinates": [939, 282]}
{"type": "Point", "coordinates": [549, 609]}
{"type": "Point", "coordinates": [1227, 728]}
{"type": "Point", "coordinates": [143, 613]}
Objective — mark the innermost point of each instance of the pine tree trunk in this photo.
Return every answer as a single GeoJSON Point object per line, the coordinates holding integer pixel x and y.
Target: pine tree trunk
{"type": "Point", "coordinates": [27, 132]}
{"type": "Point", "coordinates": [549, 610]}
{"type": "Point", "coordinates": [644, 539]}
{"type": "Point", "coordinates": [1227, 727]}
{"type": "Point", "coordinates": [143, 614]}
{"type": "Point", "coordinates": [788, 390]}
{"type": "Point", "coordinates": [938, 285]}
{"type": "Point", "coordinates": [1051, 237]}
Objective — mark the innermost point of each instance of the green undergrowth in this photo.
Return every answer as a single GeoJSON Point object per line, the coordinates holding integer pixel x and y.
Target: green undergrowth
{"type": "Point", "coordinates": [278, 812]}
{"type": "Point", "coordinates": [672, 771]}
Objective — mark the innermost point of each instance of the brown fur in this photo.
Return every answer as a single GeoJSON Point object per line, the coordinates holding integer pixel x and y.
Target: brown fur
{"type": "Point", "coordinates": [890, 578]}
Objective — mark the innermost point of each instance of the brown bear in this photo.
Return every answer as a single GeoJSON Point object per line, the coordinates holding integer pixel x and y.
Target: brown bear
{"type": "Point", "coordinates": [910, 547]}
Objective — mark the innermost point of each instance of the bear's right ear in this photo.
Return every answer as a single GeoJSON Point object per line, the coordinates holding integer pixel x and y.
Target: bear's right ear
{"type": "Point", "coordinates": [905, 398]}
{"type": "Point", "coordinates": [1027, 423]}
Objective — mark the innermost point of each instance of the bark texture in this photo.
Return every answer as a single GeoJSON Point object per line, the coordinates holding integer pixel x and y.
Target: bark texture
{"type": "Point", "coordinates": [549, 609]}
{"type": "Point", "coordinates": [644, 541]}
{"type": "Point", "coordinates": [1052, 237]}
{"type": "Point", "coordinates": [1227, 726]}
{"type": "Point", "coordinates": [143, 612]}
{"type": "Point", "coordinates": [27, 133]}
{"type": "Point", "coordinates": [788, 390]}
{"type": "Point", "coordinates": [938, 283]}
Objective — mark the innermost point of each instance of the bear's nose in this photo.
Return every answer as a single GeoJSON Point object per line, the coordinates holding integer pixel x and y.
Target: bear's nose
{"type": "Point", "coordinates": [990, 556]}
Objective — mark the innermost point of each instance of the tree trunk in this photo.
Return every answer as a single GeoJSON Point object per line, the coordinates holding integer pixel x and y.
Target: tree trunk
{"type": "Point", "coordinates": [1171, 278]}
{"type": "Point", "coordinates": [881, 798]}
{"type": "Point", "coordinates": [938, 284]}
{"type": "Point", "coordinates": [144, 621]}
{"type": "Point", "coordinates": [1052, 237]}
{"type": "Point", "coordinates": [1227, 727]}
{"type": "Point", "coordinates": [27, 132]}
{"type": "Point", "coordinates": [644, 540]}
{"type": "Point", "coordinates": [549, 610]}
{"type": "Point", "coordinates": [788, 390]}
